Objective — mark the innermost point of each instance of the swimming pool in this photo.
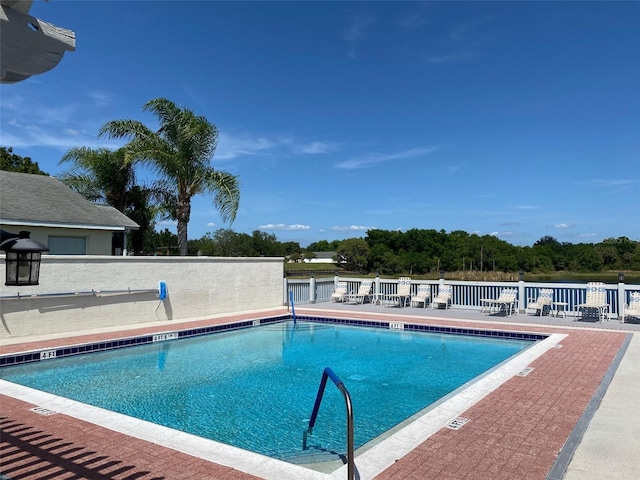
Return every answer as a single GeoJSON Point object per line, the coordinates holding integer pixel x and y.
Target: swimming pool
{"type": "Point", "coordinates": [246, 365]}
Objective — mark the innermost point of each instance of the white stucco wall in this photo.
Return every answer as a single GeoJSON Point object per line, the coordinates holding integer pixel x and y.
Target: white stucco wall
{"type": "Point", "coordinates": [197, 287]}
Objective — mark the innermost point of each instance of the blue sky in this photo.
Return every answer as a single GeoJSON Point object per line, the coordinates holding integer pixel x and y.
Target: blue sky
{"type": "Point", "coordinates": [516, 119]}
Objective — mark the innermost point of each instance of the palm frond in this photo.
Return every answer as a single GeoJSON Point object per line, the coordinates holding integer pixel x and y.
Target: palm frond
{"type": "Point", "coordinates": [82, 183]}
{"type": "Point", "coordinates": [226, 194]}
{"type": "Point", "coordinates": [125, 129]}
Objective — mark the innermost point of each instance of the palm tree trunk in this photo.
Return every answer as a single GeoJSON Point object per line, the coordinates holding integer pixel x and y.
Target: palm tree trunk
{"type": "Point", "coordinates": [183, 214]}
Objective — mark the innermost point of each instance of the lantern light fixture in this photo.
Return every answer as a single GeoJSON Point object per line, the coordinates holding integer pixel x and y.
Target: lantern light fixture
{"type": "Point", "coordinates": [22, 258]}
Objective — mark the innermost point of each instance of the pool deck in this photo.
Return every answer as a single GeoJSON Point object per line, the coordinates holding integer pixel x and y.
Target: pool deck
{"type": "Point", "coordinates": [574, 416]}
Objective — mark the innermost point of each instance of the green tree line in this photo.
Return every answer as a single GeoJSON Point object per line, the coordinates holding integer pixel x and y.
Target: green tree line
{"type": "Point", "coordinates": [420, 252]}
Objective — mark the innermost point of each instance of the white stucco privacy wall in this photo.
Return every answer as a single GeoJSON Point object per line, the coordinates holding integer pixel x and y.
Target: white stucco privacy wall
{"type": "Point", "coordinates": [197, 287]}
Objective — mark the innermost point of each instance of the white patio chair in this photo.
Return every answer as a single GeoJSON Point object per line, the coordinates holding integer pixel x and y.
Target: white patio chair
{"type": "Point", "coordinates": [362, 295]}
{"type": "Point", "coordinates": [507, 301]}
{"type": "Point", "coordinates": [632, 309]}
{"type": "Point", "coordinates": [339, 292]}
{"type": "Point", "coordinates": [422, 296]}
{"type": "Point", "coordinates": [544, 301]}
{"type": "Point", "coordinates": [403, 294]}
{"type": "Point", "coordinates": [443, 297]}
{"type": "Point", "coordinates": [595, 301]}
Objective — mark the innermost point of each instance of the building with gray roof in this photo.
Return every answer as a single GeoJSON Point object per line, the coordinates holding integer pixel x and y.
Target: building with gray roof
{"type": "Point", "coordinates": [59, 217]}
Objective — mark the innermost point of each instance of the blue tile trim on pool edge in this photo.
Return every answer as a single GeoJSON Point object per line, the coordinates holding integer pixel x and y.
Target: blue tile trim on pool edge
{"type": "Point", "coordinates": [36, 356]}
{"type": "Point", "coordinates": [431, 328]}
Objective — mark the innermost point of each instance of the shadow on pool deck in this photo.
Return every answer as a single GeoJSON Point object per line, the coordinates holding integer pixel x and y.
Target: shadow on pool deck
{"type": "Point", "coordinates": [28, 452]}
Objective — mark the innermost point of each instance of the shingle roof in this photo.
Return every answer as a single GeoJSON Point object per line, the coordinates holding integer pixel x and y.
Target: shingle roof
{"type": "Point", "coordinates": [40, 200]}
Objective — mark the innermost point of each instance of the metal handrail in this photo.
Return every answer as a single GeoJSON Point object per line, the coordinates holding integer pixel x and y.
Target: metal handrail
{"type": "Point", "coordinates": [328, 373]}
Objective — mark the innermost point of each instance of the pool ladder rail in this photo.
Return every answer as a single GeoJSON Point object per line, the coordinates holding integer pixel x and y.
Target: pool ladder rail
{"type": "Point", "coordinates": [328, 373]}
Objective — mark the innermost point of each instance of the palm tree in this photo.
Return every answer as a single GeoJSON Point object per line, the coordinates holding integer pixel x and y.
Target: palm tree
{"type": "Point", "coordinates": [99, 175]}
{"type": "Point", "coordinates": [180, 152]}
{"type": "Point", "coordinates": [103, 175]}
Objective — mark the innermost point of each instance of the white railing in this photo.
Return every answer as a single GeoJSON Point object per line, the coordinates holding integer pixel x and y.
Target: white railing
{"type": "Point", "coordinates": [466, 295]}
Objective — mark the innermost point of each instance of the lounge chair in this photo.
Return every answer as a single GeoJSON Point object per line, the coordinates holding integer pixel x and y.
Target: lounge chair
{"type": "Point", "coordinates": [403, 294]}
{"type": "Point", "coordinates": [362, 295]}
{"type": "Point", "coordinates": [339, 292]}
{"type": "Point", "coordinates": [443, 298]}
{"type": "Point", "coordinates": [422, 296]}
{"type": "Point", "coordinates": [595, 304]}
{"type": "Point", "coordinates": [543, 303]}
{"type": "Point", "coordinates": [632, 309]}
{"type": "Point", "coordinates": [507, 301]}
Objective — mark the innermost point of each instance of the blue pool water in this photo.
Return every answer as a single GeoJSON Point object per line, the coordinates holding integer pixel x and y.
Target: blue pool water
{"type": "Point", "coordinates": [255, 388]}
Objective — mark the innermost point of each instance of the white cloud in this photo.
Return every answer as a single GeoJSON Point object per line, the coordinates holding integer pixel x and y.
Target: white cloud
{"type": "Point", "coordinates": [356, 30]}
{"type": "Point", "coordinates": [315, 148]}
{"type": "Point", "coordinates": [507, 233]}
{"type": "Point", "coordinates": [463, 41]}
{"type": "Point", "coordinates": [63, 139]}
{"type": "Point", "coordinates": [372, 159]}
{"type": "Point", "coordinates": [231, 146]}
{"type": "Point", "coordinates": [100, 99]}
{"type": "Point", "coordinates": [357, 26]}
{"type": "Point", "coordinates": [467, 29]}
{"type": "Point", "coordinates": [211, 224]}
{"type": "Point", "coordinates": [600, 182]}
{"type": "Point", "coordinates": [351, 228]}
{"type": "Point", "coordinates": [283, 227]}
{"type": "Point", "coordinates": [411, 20]}
{"type": "Point", "coordinates": [33, 123]}
{"type": "Point", "coordinates": [564, 225]}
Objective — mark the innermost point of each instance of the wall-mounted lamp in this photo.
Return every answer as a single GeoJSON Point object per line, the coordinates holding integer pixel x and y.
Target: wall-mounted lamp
{"type": "Point", "coordinates": [22, 258]}
{"type": "Point", "coordinates": [620, 277]}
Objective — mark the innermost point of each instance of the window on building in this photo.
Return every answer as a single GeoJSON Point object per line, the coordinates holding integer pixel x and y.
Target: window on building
{"type": "Point", "coordinates": [67, 245]}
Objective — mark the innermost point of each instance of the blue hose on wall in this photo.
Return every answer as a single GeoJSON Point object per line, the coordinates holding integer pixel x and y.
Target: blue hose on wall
{"type": "Point", "coordinates": [162, 290]}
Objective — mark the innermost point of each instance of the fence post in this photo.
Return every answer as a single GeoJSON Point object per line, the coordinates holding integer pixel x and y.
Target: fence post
{"type": "Point", "coordinates": [521, 299]}
{"type": "Point", "coordinates": [312, 289]}
{"type": "Point", "coordinates": [285, 291]}
{"type": "Point", "coordinates": [376, 288]}
{"type": "Point", "coordinates": [622, 297]}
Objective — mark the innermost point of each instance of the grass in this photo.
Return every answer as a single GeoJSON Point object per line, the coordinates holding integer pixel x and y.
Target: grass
{"type": "Point", "coordinates": [329, 269]}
